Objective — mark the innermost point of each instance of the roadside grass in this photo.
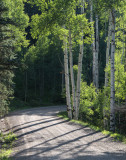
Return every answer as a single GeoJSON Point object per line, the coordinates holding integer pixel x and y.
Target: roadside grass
{"type": "Point", "coordinates": [6, 143]}
{"type": "Point", "coordinates": [115, 136]}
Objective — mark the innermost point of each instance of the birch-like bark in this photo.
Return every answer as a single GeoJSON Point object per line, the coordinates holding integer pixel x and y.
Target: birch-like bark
{"type": "Point", "coordinates": [106, 73]}
{"type": "Point", "coordinates": [67, 84]}
{"type": "Point", "coordinates": [80, 59]}
{"type": "Point", "coordinates": [72, 74]}
{"type": "Point", "coordinates": [108, 50]}
{"type": "Point", "coordinates": [96, 54]}
{"type": "Point", "coordinates": [79, 80]}
{"type": "Point", "coordinates": [93, 44]}
{"type": "Point", "coordinates": [112, 99]}
{"type": "Point", "coordinates": [62, 81]}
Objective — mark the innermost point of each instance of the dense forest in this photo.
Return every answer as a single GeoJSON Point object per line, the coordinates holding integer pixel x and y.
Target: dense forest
{"type": "Point", "coordinates": [69, 52]}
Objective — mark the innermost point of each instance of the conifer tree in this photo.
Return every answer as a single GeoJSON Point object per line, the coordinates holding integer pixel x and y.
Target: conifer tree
{"type": "Point", "coordinates": [6, 60]}
{"type": "Point", "coordinates": [11, 39]}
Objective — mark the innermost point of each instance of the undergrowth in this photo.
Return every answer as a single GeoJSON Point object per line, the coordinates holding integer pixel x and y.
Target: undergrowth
{"type": "Point", "coordinates": [6, 143]}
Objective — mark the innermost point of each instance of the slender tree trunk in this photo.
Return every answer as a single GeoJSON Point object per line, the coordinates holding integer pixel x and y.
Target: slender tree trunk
{"type": "Point", "coordinates": [35, 80]}
{"type": "Point", "coordinates": [62, 81]}
{"type": "Point", "coordinates": [105, 25]}
{"type": "Point", "coordinates": [93, 44]}
{"type": "Point", "coordinates": [80, 59]}
{"type": "Point", "coordinates": [79, 81]}
{"type": "Point", "coordinates": [54, 75]}
{"type": "Point", "coordinates": [112, 99]}
{"type": "Point", "coordinates": [123, 45]}
{"type": "Point", "coordinates": [43, 76]}
{"type": "Point", "coordinates": [106, 73]}
{"type": "Point", "coordinates": [67, 84]}
{"type": "Point", "coordinates": [108, 50]}
{"type": "Point", "coordinates": [26, 85]}
{"type": "Point", "coordinates": [40, 84]}
{"type": "Point", "coordinates": [72, 75]}
{"type": "Point", "coordinates": [96, 54]}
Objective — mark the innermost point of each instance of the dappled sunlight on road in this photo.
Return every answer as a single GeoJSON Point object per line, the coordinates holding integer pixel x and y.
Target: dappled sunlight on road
{"type": "Point", "coordinates": [43, 135]}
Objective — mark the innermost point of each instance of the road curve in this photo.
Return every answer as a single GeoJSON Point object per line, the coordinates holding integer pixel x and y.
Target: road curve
{"type": "Point", "coordinates": [44, 136]}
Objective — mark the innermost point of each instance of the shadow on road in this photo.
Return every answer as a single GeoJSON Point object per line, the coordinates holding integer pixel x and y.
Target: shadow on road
{"type": "Point", "coordinates": [89, 156]}
{"type": "Point", "coordinates": [66, 145]}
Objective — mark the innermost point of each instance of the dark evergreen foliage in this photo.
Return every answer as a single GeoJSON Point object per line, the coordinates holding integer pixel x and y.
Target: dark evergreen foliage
{"type": "Point", "coordinates": [39, 77]}
{"type": "Point", "coordinates": [7, 65]}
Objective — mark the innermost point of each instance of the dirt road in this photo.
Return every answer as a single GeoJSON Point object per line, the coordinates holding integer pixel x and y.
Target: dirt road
{"type": "Point", "coordinates": [44, 136]}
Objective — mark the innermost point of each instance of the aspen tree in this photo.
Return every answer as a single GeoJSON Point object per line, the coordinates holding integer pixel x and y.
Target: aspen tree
{"type": "Point", "coordinates": [72, 74]}
{"type": "Point", "coordinates": [108, 50]}
{"type": "Point", "coordinates": [80, 59]}
{"type": "Point", "coordinates": [107, 63]}
{"type": "Point", "coordinates": [93, 45]}
{"type": "Point", "coordinates": [112, 99]}
{"type": "Point", "coordinates": [96, 54]}
{"type": "Point", "coordinates": [67, 81]}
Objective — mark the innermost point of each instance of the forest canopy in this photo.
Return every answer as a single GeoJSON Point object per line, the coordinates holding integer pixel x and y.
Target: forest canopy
{"type": "Point", "coordinates": [69, 52]}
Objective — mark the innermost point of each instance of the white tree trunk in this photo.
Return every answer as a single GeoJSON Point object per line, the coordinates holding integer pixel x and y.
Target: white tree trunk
{"type": "Point", "coordinates": [62, 81]}
{"type": "Point", "coordinates": [72, 74]}
{"type": "Point", "coordinates": [93, 44]}
{"type": "Point", "coordinates": [67, 84]}
{"type": "Point", "coordinates": [96, 54]}
{"type": "Point", "coordinates": [79, 69]}
{"type": "Point", "coordinates": [108, 50]}
{"type": "Point", "coordinates": [106, 73]}
{"type": "Point", "coordinates": [112, 99]}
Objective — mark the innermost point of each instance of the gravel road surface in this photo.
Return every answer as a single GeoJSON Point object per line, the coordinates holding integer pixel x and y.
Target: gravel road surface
{"type": "Point", "coordinates": [44, 136]}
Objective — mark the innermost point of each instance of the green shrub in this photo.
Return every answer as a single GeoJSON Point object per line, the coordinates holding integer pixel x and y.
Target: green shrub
{"type": "Point", "coordinates": [4, 154]}
{"type": "Point", "coordinates": [6, 141]}
{"type": "Point", "coordinates": [10, 137]}
{"type": "Point", "coordinates": [87, 99]}
{"type": "Point", "coordinates": [92, 103]}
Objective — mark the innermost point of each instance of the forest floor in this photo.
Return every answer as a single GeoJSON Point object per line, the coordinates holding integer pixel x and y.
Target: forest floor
{"type": "Point", "coordinates": [44, 136]}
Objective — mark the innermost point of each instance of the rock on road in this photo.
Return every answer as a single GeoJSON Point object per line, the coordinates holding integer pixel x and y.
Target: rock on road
{"type": "Point", "coordinates": [44, 136]}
